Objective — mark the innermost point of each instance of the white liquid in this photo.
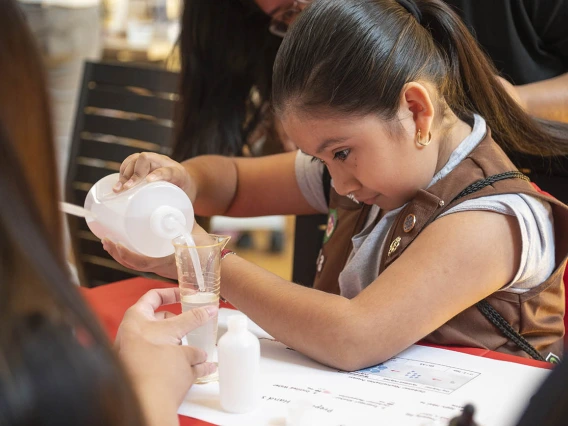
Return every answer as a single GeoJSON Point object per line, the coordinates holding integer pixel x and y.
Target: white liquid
{"type": "Point", "coordinates": [195, 260]}
{"type": "Point", "coordinates": [193, 254]}
{"type": "Point", "coordinates": [204, 337]}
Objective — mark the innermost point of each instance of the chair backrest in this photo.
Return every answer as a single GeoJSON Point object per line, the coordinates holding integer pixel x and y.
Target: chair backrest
{"type": "Point", "coordinates": [122, 110]}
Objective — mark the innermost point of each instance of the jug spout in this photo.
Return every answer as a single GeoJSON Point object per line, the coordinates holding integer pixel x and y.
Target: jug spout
{"type": "Point", "coordinates": [205, 242]}
{"type": "Point", "coordinates": [223, 240]}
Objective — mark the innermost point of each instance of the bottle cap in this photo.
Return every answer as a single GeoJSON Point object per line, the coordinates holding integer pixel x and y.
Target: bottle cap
{"type": "Point", "coordinates": [167, 222]}
{"type": "Point", "coordinates": [237, 323]}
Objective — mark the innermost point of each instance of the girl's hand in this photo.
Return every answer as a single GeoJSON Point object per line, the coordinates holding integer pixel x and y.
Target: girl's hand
{"type": "Point", "coordinates": [163, 266]}
{"type": "Point", "coordinates": [153, 167]}
{"type": "Point", "coordinates": [149, 344]}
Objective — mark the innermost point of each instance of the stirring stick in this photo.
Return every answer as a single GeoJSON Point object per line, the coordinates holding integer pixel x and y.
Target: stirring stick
{"type": "Point", "coordinates": [75, 210]}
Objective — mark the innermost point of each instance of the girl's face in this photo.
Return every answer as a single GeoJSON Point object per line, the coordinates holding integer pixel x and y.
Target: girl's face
{"type": "Point", "coordinates": [365, 158]}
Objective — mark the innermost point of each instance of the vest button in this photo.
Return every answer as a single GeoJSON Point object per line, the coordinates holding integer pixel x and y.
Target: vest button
{"type": "Point", "coordinates": [320, 261]}
{"type": "Point", "coordinates": [409, 223]}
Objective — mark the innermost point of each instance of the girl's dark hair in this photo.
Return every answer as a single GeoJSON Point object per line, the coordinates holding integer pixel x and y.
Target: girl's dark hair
{"type": "Point", "coordinates": [56, 365]}
{"type": "Point", "coordinates": [355, 56]}
{"type": "Point", "coordinates": [227, 54]}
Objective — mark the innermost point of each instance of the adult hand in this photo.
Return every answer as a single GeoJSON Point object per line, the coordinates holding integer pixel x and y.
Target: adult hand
{"type": "Point", "coordinates": [152, 167]}
{"type": "Point", "coordinates": [149, 344]}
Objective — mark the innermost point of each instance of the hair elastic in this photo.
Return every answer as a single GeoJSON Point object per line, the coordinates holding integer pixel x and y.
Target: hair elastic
{"type": "Point", "coordinates": [412, 8]}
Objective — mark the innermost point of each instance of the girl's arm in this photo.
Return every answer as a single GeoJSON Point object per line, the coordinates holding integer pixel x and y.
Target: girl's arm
{"type": "Point", "coordinates": [223, 185]}
{"type": "Point", "coordinates": [216, 185]}
{"type": "Point", "coordinates": [455, 262]}
{"type": "Point", "coordinates": [245, 187]}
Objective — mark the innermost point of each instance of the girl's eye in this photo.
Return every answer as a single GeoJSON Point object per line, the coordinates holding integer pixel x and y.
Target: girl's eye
{"type": "Point", "coordinates": [314, 159]}
{"type": "Point", "coordinates": [342, 155]}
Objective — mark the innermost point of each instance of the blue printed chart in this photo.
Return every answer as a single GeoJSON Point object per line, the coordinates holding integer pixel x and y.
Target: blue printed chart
{"type": "Point", "coordinates": [416, 374]}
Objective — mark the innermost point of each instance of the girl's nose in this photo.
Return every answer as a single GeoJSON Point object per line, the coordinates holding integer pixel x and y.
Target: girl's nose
{"type": "Point", "coordinates": [344, 183]}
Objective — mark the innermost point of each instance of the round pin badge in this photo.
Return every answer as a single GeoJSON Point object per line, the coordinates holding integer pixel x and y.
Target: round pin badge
{"type": "Point", "coordinates": [409, 223]}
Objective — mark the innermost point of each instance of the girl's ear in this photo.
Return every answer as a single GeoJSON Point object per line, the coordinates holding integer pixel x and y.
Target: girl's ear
{"type": "Point", "coordinates": [416, 100]}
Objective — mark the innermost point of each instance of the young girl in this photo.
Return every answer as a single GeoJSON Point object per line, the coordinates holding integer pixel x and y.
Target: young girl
{"type": "Point", "coordinates": [427, 216]}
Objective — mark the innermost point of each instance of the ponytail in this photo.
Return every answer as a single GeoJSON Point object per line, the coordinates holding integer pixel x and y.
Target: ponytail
{"type": "Point", "coordinates": [476, 88]}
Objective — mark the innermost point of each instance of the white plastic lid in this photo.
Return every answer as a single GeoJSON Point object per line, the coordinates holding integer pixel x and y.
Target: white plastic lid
{"type": "Point", "coordinates": [167, 222]}
{"type": "Point", "coordinates": [237, 323]}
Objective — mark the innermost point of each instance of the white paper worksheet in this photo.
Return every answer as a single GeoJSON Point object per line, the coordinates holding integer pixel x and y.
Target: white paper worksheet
{"type": "Point", "coordinates": [422, 386]}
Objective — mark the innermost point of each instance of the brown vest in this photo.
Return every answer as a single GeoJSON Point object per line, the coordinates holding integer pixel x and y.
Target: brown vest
{"type": "Point", "coordinates": [537, 314]}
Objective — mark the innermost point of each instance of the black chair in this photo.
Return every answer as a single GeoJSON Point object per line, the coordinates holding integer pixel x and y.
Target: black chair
{"type": "Point", "coordinates": [122, 110]}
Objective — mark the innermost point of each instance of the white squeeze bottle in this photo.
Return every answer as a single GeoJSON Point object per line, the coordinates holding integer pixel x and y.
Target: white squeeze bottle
{"type": "Point", "coordinates": [239, 367]}
{"type": "Point", "coordinates": [144, 218]}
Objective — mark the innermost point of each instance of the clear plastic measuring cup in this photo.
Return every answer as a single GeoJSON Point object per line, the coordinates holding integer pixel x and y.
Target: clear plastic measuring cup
{"type": "Point", "coordinates": [205, 249]}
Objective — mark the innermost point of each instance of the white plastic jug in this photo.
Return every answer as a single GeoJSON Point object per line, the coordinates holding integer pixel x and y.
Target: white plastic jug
{"type": "Point", "coordinates": [145, 219]}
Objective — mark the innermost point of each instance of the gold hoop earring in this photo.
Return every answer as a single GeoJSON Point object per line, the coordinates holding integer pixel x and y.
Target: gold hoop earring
{"type": "Point", "coordinates": [419, 139]}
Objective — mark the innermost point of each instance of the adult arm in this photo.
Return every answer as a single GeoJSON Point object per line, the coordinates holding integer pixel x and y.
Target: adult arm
{"type": "Point", "coordinates": [228, 186]}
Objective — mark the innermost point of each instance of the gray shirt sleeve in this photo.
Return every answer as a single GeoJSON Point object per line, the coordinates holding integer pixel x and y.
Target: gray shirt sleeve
{"type": "Point", "coordinates": [309, 177]}
{"type": "Point", "coordinates": [537, 234]}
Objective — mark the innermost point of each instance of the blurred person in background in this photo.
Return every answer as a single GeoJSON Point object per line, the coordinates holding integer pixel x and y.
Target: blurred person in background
{"type": "Point", "coordinates": [227, 50]}
{"type": "Point", "coordinates": [528, 42]}
{"type": "Point", "coordinates": [56, 365]}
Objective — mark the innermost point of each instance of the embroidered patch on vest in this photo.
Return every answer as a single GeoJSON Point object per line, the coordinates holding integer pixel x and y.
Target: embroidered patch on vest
{"type": "Point", "coordinates": [331, 225]}
{"type": "Point", "coordinates": [553, 359]}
